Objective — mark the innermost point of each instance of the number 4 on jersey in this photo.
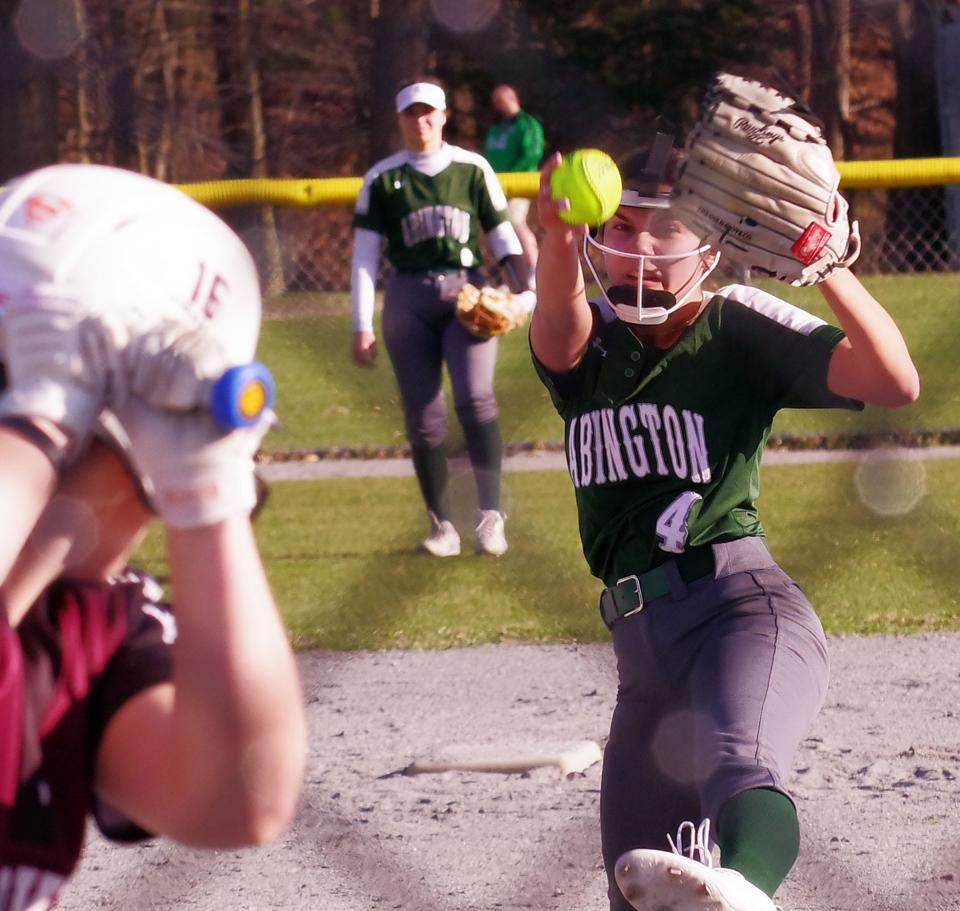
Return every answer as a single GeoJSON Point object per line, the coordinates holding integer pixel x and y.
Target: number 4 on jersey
{"type": "Point", "coordinates": [672, 527]}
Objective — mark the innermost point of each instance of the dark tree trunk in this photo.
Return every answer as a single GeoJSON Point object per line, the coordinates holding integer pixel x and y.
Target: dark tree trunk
{"type": "Point", "coordinates": [235, 132]}
{"type": "Point", "coordinates": [830, 69]}
{"type": "Point", "coordinates": [243, 130]}
{"type": "Point", "coordinates": [916, 220]}
{"type": "Point", "coordinates": [28, 104]}
{"type": "Point", "coordinates": [123, 113]}
{"type": "Point", "coordinates": [917, 129]}
{"type": "Point", "coordinates": [401, 30]}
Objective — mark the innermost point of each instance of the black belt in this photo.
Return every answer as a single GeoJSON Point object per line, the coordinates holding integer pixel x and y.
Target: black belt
{"type": "Point", "coordinates": [631, 593]}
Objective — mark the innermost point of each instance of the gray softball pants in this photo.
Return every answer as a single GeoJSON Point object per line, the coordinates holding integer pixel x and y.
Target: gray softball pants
{"type": "Point", "coordinates": [720, 681]}
{"type": "Point", "coordinates": [420, 332]}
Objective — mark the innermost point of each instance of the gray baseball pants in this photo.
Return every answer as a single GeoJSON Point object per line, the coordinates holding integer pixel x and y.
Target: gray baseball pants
{"type": "Point", "coordinates": [420, 332]}
{"type": "Point", "coordinates": [720, 681]}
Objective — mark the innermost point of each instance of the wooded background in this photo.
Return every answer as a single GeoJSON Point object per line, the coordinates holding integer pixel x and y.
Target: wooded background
{"type": "Point", "coordinates": [189, 90]}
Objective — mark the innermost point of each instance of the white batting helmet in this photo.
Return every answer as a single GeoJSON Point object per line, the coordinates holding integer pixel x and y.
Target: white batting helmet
{"type": "Point", "coordinates": [130, 248]}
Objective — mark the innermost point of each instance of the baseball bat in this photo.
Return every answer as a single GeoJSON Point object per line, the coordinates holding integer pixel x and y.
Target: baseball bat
{"type": "Point", "coordinates": [570, 762]}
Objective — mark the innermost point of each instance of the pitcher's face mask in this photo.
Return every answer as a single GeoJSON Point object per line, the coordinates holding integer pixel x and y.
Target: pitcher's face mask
{"type": "Point", "coordinates": [654, 264]}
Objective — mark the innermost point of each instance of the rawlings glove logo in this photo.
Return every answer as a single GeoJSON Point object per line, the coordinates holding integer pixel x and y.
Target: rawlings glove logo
{"type": "Point", "coordinates": [808, 245]}
{"type": "Point", "coordinates": [757, 133]}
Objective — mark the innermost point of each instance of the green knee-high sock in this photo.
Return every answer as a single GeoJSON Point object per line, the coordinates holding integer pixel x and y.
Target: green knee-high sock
{"type": "Point", "coordinates": [430, 467]}
{"type": "Point", "coordinates": [485, 448]}
{"type": "Point", "coordinates": [759, 836]}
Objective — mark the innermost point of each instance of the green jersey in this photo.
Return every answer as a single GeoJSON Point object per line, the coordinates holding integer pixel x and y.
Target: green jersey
{"type": "Point", "coordinates": [515, 144]}
{"type": "Point", "coordinates": [431, 219]}
{"type": "Point", "coordinates": [664, 447]}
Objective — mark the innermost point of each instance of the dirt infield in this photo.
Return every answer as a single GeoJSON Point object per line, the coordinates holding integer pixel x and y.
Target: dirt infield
{"type": "Point", "coordinates": [877, 784]}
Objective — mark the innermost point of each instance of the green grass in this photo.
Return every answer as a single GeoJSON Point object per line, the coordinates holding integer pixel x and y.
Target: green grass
{"type": "Point", "coordinates": [341, 557]}
{"type": "Point", "coordinates": [341, 560]}
{"type": "Point", "coordinates": [324, 400]}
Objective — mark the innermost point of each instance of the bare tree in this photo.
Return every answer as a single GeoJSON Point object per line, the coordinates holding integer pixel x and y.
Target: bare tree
{"type": "Point", "coordinates": [830, 69]}
{"type": "Point", "coordinates": [242, 124]}
{"type": "Point", "coordinates": [28, 101]}
{"type": "Point", "coordinates": [123, 107]}
{"type": "Point", "coordinates": [917, 130]}
{"type": "Point", "coordinates": [155, 83]}
{"type": "Point", "coordinates": [231, 47]}
{"type": "Point", "coordinates": [11, 61]}
{"type": "Point", "coordinates": [400, 43]}
{"type": "Point", "coordinates": [916, 217]}
{"type": "Point", "coordinates": [85, 79]}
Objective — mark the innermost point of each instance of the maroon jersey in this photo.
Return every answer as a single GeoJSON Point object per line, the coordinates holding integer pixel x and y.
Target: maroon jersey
{"type": "Point", "coordinates": [81, 652]}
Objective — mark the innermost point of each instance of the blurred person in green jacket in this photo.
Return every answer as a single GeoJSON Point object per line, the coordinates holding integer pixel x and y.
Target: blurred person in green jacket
{"type": "Point", "coordinates": [515, 143]}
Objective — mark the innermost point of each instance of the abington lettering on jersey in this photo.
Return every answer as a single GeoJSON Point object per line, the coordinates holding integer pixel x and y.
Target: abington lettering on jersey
{"type": "Point", "coordinates": [609, 445]}
{"type": "Point", "coordinates": [436, 221]}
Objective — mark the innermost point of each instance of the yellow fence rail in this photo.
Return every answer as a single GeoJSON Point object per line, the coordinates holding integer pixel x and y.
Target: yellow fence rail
{"type": "Point", "coordinates": [331, 191]}
{"type": "Point", "coordinates": [905, 208]}
{"type": "Point", "coordinates": [903, 172]}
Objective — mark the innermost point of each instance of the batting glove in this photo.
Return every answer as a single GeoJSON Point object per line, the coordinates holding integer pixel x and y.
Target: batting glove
{"type": "Point", "coordinates": [173, 365]}
{"type": "Point", "coordinates": [197, 472]}
{"type": "Point", "coordinates": [62, 363]}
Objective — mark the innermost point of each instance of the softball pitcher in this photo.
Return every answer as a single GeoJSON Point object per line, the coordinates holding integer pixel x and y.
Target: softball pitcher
{"type": "Point", "coordinates": [430, 202]}
{"type": "Point", "coordinates": [667, 392]}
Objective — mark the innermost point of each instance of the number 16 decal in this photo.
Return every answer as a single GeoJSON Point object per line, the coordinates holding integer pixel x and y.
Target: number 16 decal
{"type": "Point", "coordinates": [672, 524]}
{"type": "Point", "coordinates": [208, 290]}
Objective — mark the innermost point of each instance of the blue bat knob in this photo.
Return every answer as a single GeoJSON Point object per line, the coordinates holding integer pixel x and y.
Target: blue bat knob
{"type": "Point", "coordinates": [242, 394]}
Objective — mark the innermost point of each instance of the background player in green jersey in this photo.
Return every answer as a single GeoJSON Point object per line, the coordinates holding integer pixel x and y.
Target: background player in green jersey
{"type": "Point", "coordinates": [515, 143]}
{"type": "Point", "coordinates": [668, 392]}
{"type": "Point", "coordinates": [430, 202]}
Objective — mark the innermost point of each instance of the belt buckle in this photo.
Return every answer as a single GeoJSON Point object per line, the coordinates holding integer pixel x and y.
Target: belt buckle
{"type": "Point", "coordinates": [636, 582]}
{"type": "Point", "coordinates": [449, 284]}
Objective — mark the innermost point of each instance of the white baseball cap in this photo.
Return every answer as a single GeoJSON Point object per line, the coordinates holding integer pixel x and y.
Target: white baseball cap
{"type": "Point", "coordinates": [422, 93]}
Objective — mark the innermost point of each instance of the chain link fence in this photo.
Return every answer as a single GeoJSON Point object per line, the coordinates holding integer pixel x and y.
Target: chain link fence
{"type": "Point", "coordinates": [305, 253]}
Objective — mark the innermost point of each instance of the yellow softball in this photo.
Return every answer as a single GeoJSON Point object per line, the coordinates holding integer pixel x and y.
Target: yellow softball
{"type": "Point", "coordinates": [590, 180]}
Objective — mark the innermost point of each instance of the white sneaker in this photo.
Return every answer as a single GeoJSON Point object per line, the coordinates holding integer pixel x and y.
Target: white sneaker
{"type": "Point", "coordinates": [490, 538]}
{"type": "Point", "coordinates": [675, 881]}
{"type": "Point", "coordinates": [443, 540]}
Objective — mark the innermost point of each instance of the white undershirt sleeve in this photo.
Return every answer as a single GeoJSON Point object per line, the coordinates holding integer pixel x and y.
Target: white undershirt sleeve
{"type": "Point", "coordinates": [503, 241]}
{"type": "Point", "coordinates": [363, 277]}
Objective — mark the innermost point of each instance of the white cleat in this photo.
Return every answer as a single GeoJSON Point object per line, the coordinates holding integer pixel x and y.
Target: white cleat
{"type": "Point", "coordinates": [443, 540]}
{"type": "Point", "coordinates": [669, 881]}
{"type": "Point", "coordinates": [490, 538]}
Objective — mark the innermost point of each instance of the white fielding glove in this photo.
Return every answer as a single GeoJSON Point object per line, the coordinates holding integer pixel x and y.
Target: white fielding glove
{"type": "Point", "coordinates": [62, 363]}
{"type": "Point", "coordinates": [198, 473]}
